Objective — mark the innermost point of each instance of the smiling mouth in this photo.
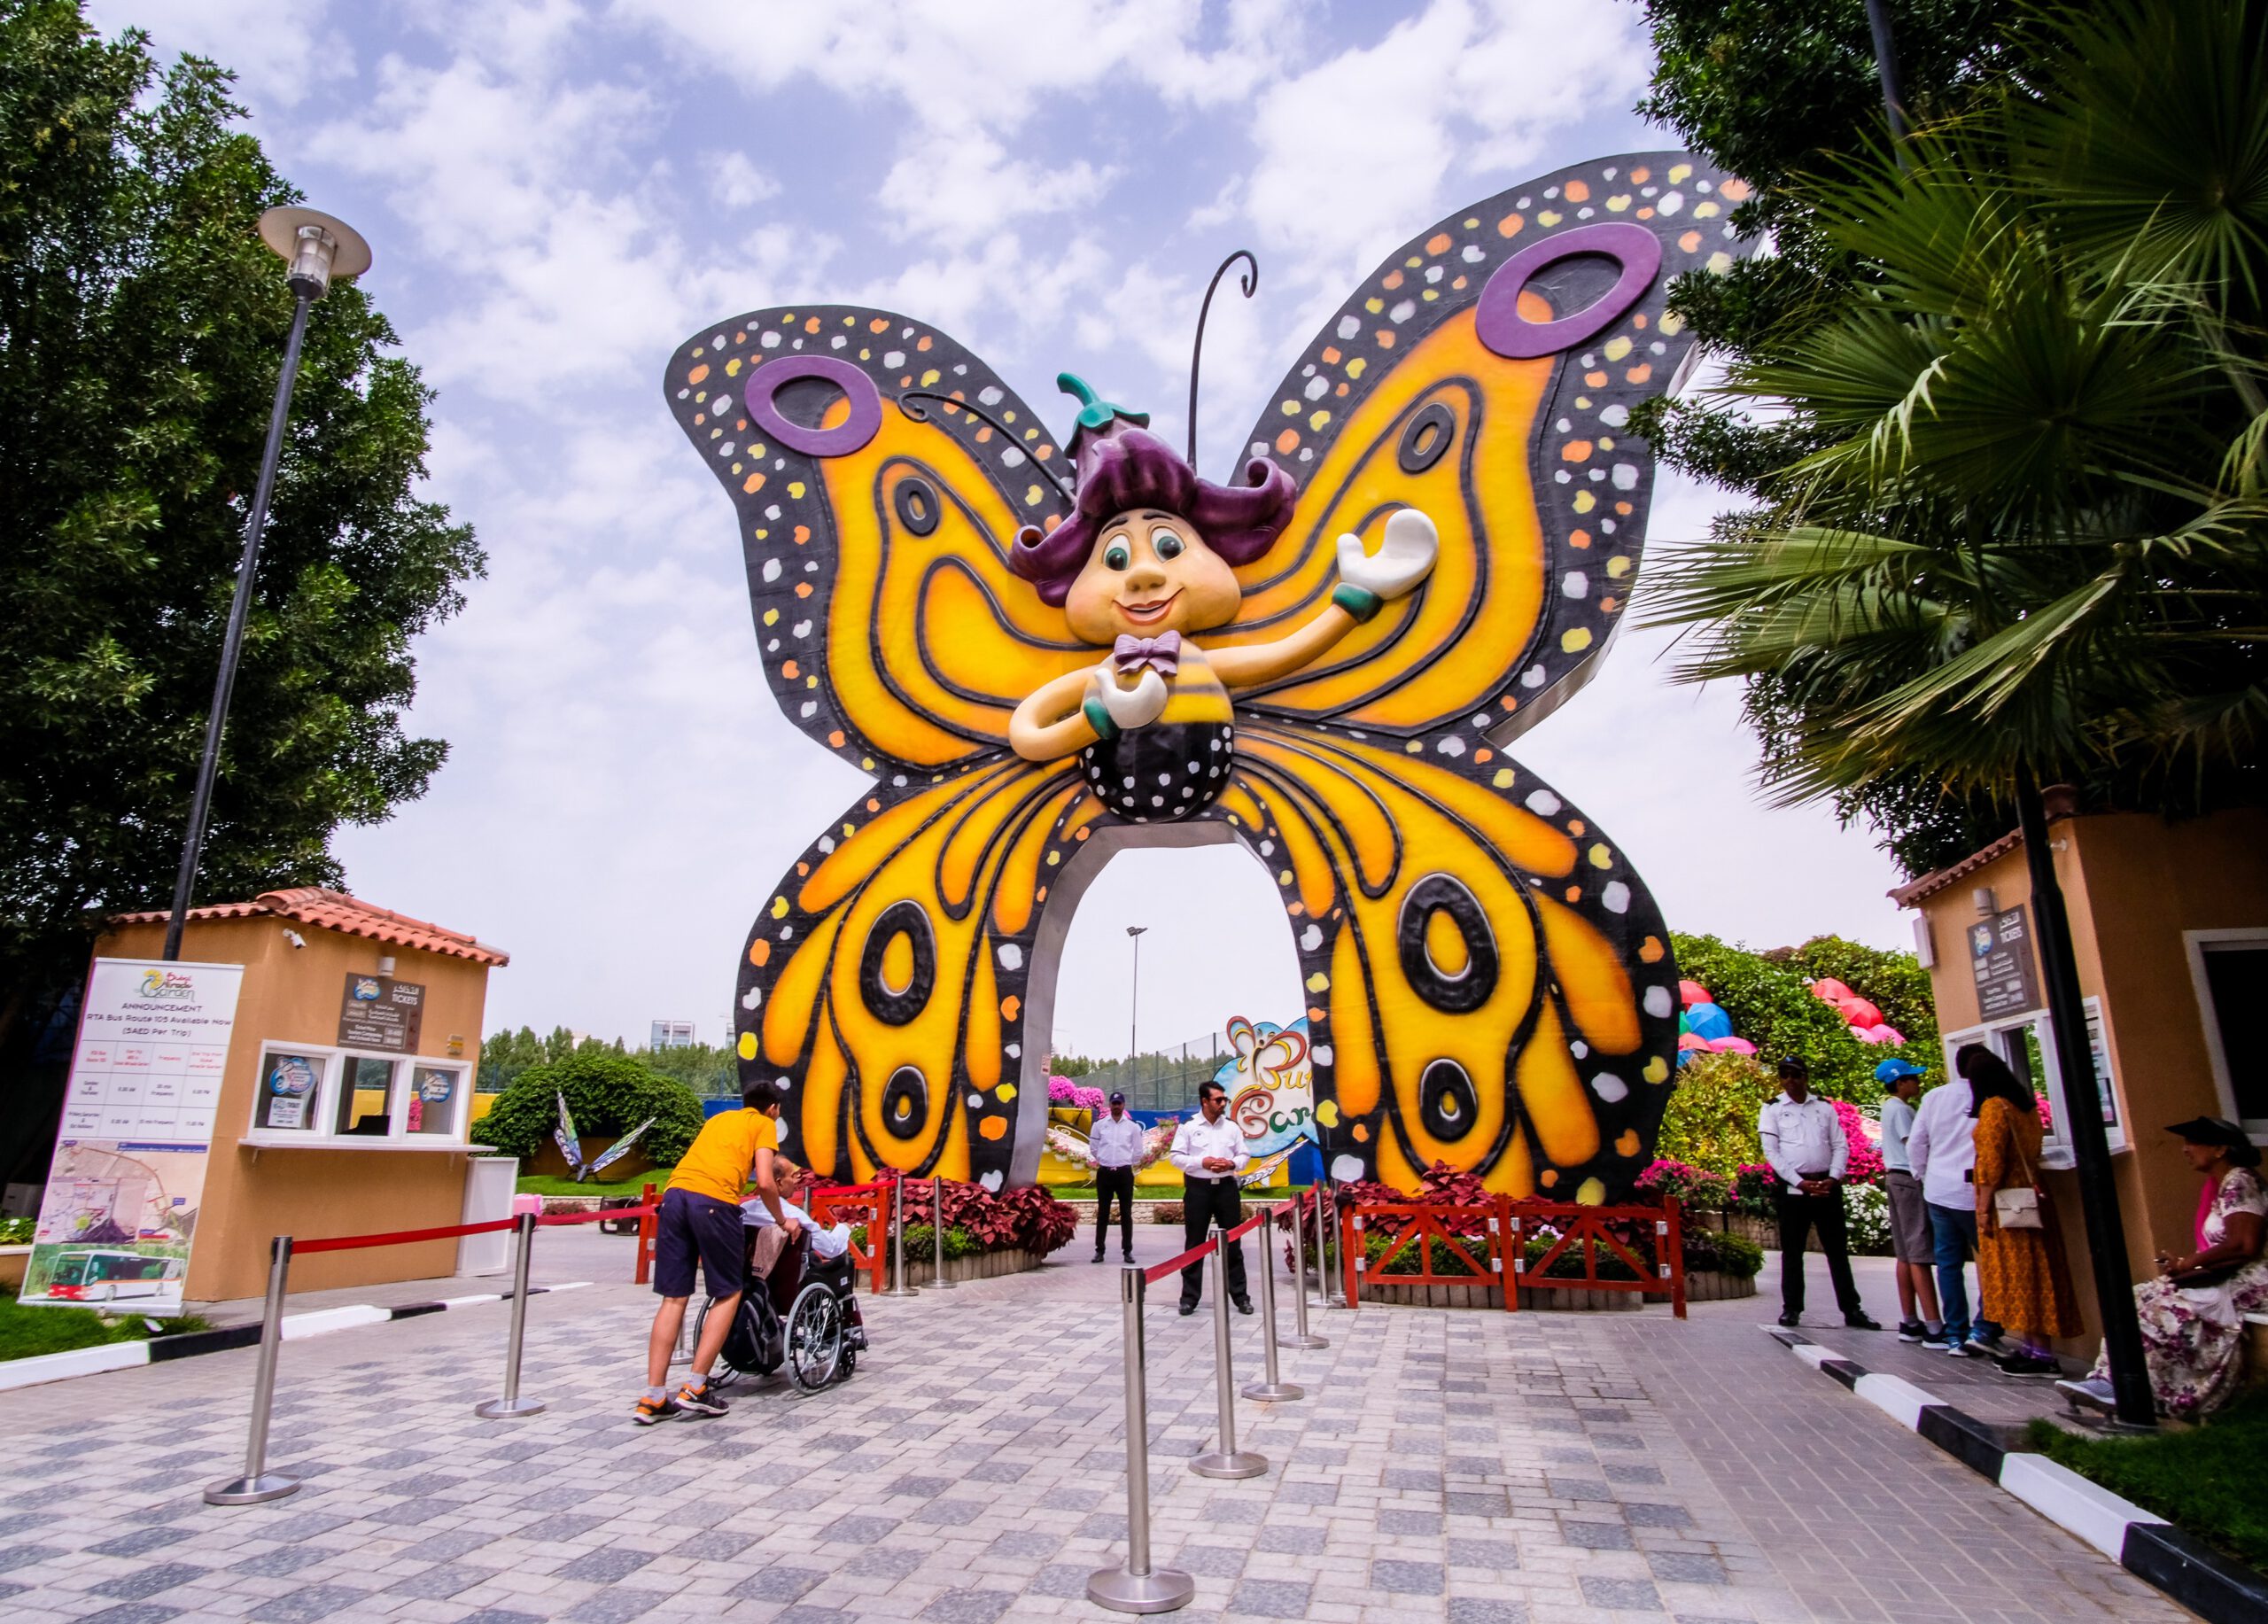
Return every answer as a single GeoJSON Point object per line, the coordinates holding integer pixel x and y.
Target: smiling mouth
{"type": "Point", "coordinates": [1148, 614]}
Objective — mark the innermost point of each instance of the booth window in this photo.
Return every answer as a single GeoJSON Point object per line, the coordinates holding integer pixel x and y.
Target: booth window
{"type": "Point", "coordinates": [2230, 970]}
{"type": "Point", "coordinates": [291, 1093]}
{"type": "Point", "coordinates": [2027, 1042]}
{"type": "Point", "coordinates": [336, 1097]}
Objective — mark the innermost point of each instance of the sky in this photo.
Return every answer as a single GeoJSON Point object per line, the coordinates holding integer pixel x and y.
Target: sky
{"type": "Point", "coordinates": [559, 192]}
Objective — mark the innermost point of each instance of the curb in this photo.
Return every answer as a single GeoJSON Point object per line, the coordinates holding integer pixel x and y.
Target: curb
{"type": "Point", "coordinates": [157, 1349]}
{"type": "Point", "coordinates": [2145, 1545]}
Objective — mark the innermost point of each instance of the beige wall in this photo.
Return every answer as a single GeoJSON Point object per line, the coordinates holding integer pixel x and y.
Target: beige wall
{"type": "Point", "coordinates": [2133, 884]}
{"type": "Point", "coordinates": [292, 995]}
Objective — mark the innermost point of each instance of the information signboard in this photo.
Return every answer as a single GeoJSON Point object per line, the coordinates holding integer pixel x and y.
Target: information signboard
{"type": "Point", "coordinates": [380, 1012]}
{"type": "Point", "coordinates": [120, 1206]}
{"type": "Point", "coordinates": [2001, 960]}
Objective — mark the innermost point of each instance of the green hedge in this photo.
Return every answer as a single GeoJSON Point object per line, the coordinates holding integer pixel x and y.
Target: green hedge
{"type": "Point", "coordinates": [608, 1094]}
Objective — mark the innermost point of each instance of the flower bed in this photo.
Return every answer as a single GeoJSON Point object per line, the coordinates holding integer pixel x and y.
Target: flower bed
{"type": "Point", "coordinates": [978, 1222]}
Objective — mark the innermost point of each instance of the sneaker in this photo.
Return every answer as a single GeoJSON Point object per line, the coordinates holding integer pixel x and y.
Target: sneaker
{"type": "Point", "coordinates": [1973, 1350]}
{"type": "Point", "coordinates": [2094, 1392]}
{"type": "Point", "coordinates": [1857, 1320]}
{"type": "Point", "coordinates": [2022, 1364]}
{"type": "Point", "coordinates": [652, 1410]}
{"type": "Point", "coordinates": [1937, 1342]}
{"type": "Point", "coordinates": [1909, 1331]}
{"type": "Point", "coordinates": [701, 1400]}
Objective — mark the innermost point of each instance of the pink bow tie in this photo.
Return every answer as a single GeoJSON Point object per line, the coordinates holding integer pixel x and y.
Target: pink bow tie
{"type": "Point", "coordinates": [1162, 653]}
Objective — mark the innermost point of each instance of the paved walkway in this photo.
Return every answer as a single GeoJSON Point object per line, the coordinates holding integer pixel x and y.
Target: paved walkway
{"type": "Point", "coordinates": [1473, 1468]}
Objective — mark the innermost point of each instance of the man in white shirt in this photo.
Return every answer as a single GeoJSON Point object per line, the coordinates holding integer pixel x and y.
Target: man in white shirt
{"type": "Point", "coordinates": [795, 1183]}
{"type": "Point", "coordinates": [1802, 1140]}
{"type": "Point", "coordinates": [1116, 1141]}
{"type": "Point", "coordinates": [1942, 1148]}
{"type": "Point", "coordinates": [1209, 1149]}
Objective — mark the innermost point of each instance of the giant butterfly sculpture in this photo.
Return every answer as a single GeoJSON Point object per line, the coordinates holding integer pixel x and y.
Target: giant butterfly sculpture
{"type": "Point", "coordinates": [1044, 648]}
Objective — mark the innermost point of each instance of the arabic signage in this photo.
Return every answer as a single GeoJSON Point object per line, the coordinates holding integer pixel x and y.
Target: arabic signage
{"type": "Point", "coordinates": [380, 1012]}
{"type": "Point", "coordinates": [2000, 958]}
{"type": "Point", "coordinates": [121, 1201]}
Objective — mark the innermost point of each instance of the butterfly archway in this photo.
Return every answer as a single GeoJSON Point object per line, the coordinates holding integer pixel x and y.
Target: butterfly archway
{"type": "Point", "coordinates": [1488, 982]}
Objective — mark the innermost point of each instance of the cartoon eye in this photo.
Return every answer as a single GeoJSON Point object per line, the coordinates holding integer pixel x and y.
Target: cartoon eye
{"type": "Point", "coordinates": [1167, 544]}
{"type": "Point", "coordinates": [1116, 556]}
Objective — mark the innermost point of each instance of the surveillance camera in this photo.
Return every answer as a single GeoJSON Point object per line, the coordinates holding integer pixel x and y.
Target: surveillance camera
{"type": "Point", "coordinates": [295, 938]}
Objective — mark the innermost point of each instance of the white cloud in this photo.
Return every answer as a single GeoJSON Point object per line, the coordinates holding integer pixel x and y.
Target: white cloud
{"type": "Point", "coordinates": [280, 55]}
{"type": "Point", "coordinates": [736, 183]}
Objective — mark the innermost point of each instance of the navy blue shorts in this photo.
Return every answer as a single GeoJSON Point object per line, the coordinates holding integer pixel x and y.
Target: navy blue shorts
{"type": "Point", "coordinates": [691, 1228]}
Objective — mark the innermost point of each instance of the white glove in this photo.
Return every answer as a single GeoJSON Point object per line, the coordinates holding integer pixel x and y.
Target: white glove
{"type": "Point", "coordinates": [1135, 707]}
{"type": "Point", "coordinates": [1404, 558]}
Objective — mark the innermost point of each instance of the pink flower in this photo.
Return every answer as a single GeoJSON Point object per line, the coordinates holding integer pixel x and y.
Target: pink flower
{"type": "Point", "coordinates": [1866, 1163]}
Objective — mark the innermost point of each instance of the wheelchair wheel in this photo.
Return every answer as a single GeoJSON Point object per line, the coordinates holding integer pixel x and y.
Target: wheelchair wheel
{"type": "Point", "coordinates": [814, 1338]}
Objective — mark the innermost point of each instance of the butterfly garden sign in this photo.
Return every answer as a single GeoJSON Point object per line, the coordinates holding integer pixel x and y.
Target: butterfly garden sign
{"type": "Point", "coordinates": [1042, 649]}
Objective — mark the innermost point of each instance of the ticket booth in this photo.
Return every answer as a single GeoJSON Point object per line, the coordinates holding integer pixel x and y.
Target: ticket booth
{"type": "Point", "coordinates": [345, 1101]}
{"type": "Point", "coordinates": [2170, 931]}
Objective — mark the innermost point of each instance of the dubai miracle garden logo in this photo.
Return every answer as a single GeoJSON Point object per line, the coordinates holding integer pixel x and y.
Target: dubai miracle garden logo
{"type": "Point", "coordinates": [167, 984]}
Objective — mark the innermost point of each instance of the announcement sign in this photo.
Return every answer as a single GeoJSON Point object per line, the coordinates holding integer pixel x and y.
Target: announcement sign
{"type": "Point", "coordinates": [121, 1205]}
{"type": "Point", "coordinates": [381, 1013]}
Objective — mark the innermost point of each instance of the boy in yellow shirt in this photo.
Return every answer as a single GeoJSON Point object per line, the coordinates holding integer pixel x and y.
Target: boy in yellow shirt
{"type": "Point", "coordinates": [700, 1222]}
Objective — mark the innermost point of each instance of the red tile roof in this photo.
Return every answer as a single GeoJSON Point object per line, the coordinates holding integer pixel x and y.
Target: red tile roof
{"type": "Point", "coordinates": [329, 910]}
{"type": "Point", "coordinates": [1905, 895]}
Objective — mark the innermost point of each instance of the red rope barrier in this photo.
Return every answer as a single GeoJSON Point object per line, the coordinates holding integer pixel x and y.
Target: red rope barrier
{"type": "Point", "coordinates": [604, 1214]}
{"type": "Point", "coordinates": [399, 1237]}
{"type": "Point", "coordinates": [1248, 1225]}
{"type": "Point", "coordinates": [1175, 1266]}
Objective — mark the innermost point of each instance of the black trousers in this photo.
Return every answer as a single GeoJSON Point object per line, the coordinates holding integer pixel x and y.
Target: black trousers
{"type": "Point", "coordinates": [1116, 1182]}
{"type": "Point", "coordinates": [1206, 1202]}
{"type": "Point", "coordinates": [1798, 1216]}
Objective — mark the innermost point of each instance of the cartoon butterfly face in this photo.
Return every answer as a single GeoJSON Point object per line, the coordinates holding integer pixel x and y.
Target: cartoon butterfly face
{"type": "Point", "coordinates": [1046, 650]}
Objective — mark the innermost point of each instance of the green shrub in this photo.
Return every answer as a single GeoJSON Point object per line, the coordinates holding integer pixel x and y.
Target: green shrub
{"type": "Point", "coordinates": [608, 1094]}
{"type": "Point", "coordinates": [1769, 997]}
{"type": "Point", "coordinates": [1732, 1254]}
{"type": "Point", "coordinates": [1710, 1122]}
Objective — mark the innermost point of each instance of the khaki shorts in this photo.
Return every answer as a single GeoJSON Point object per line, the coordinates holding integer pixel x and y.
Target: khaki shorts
{"type": "Point", "coordinates": [1909, 1219]}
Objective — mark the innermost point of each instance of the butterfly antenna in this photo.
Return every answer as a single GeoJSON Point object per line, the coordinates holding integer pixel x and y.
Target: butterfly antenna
{"type": "Point", "coordinates": [1248, 281]}
{"type": "Point", "coordinates": [921, 415]}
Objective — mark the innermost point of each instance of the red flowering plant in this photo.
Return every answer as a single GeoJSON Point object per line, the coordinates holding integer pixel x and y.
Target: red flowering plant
{"type": "Point", "coordinates": [1025, 1219]}
{"type": "Point", "coordinates": [1865, 1165]}
{"type": "Point", "coordinates": [1688, 1186]}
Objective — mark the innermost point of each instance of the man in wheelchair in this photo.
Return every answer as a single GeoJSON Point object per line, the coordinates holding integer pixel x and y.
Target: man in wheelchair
{"type": "Point", "coordinates": [800, 1308]}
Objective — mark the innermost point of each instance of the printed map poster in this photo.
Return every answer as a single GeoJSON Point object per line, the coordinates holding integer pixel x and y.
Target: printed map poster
{"type": "Point", "coordinates": [120, 1206]}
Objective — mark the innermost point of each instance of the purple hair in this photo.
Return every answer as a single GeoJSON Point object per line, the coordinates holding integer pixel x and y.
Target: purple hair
{"type": "Point", "coordinates": [1131, 469]}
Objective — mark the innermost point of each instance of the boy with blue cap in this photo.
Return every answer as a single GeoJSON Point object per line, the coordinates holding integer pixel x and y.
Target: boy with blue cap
{"type": "Point", "coordinates": [1910, 1241]}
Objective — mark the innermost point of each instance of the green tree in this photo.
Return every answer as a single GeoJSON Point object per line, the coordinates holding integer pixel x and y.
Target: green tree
{"type": "Point", "coordinates": [607, 1093]}
{"type": "Point", "coordinates": [142, 324]}
{"type": "Point", "coordinates": [1772, 92]}
{"type": "Point", "coordinates": [2031, 533]}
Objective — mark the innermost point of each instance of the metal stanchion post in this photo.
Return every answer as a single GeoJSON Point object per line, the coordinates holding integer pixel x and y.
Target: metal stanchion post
{"type": "Point", "coordinates": [258, 1483]}
{"type": "Point", "coordinates": [898, 1287]}
{"type": "Point", "coordinates": [1135, 1587]}
{"type": "Point", "coordinates": [1334, 1282]}
{"type": "Point", "coordinates": [1273, 1387]}
{"type": "Point", "coordinates": [1226, 1461]}
{"type": "Point", "coordinates": [937, 1223]}
{"type": "Point", "coordinates": [688, 1336]}
{"type": "Point", "coordinates": [512, 1403]}
{"type": "Point", "coordinates": [1301, 1337]}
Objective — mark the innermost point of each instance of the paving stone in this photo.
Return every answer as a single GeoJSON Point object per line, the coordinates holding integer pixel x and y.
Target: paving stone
{"type": "Point", "coordinates": [1686, 1567]}
{"type": "Point", "coordinates": [440, 1581]}
{"type": "Point", "coordinates": [1479, 1609]}
{"type": "Point", "coordinates": [1406, 1578]}
{"type": "Point", "coordinates": [1270, 1598]}
{"type": "Point", "coordinates": [967, 1607]}
{"type": "Point", "coordinates": [1483, 1553]}
{"type": "Point", "coordinates": [777, 1584]}
{"type": "Point", "coordinates": [855, 1530]}
{"type": "Point", "coordinates": [1629, 1595]}
{"type": "Point", "coordinates": [304, 1606]}
{"type": "Point", "coordinates": [1596, 1535]}
{"type": "Point", "coordinates": [144, 1582]}
{"type": "Point", "coordinates": [605, 1566]}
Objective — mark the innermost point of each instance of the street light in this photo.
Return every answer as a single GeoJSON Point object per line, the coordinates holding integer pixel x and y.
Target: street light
{"type": "Point", "coordinates": [317, 248]}
{"type": "Point", "coordinates": [1134, 1001]}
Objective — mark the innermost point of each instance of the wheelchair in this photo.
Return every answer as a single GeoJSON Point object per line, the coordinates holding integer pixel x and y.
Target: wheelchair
{"type": "Point", "coordinates": [803, 1313]}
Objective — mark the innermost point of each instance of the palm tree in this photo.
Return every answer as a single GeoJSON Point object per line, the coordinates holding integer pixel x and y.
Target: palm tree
{"type": "Point", "coordinates": [2029, 539]}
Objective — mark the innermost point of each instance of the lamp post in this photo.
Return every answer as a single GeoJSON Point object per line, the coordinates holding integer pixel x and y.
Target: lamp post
{"type": "Point", "coordinates": [317, 248]}
{"type": "Point", "coordinates": [1134, 1001]}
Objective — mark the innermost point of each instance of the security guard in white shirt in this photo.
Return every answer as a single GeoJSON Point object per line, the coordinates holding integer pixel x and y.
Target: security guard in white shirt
{"type": "Point", "coordinates": [1116, 1141]}
{"type": "Point", "coordinates": [1209, 1149]}
{"type": "Point", "coordinates": [1802, 1140]}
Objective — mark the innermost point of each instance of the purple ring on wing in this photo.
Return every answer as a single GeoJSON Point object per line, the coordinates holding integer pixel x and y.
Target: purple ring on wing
{"type": "Point", "coordinates": [1497, 318]}
{"type": "Point", "coordinates": [865, 421]}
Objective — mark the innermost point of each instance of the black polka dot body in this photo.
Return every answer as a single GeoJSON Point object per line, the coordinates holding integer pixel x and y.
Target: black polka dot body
{"type": "Point", "coordinates": [1161, 774]}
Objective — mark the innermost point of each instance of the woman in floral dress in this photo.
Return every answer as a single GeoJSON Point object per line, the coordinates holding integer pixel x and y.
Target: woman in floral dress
{"type": "Point", "coordinates": [2192, 1314]}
